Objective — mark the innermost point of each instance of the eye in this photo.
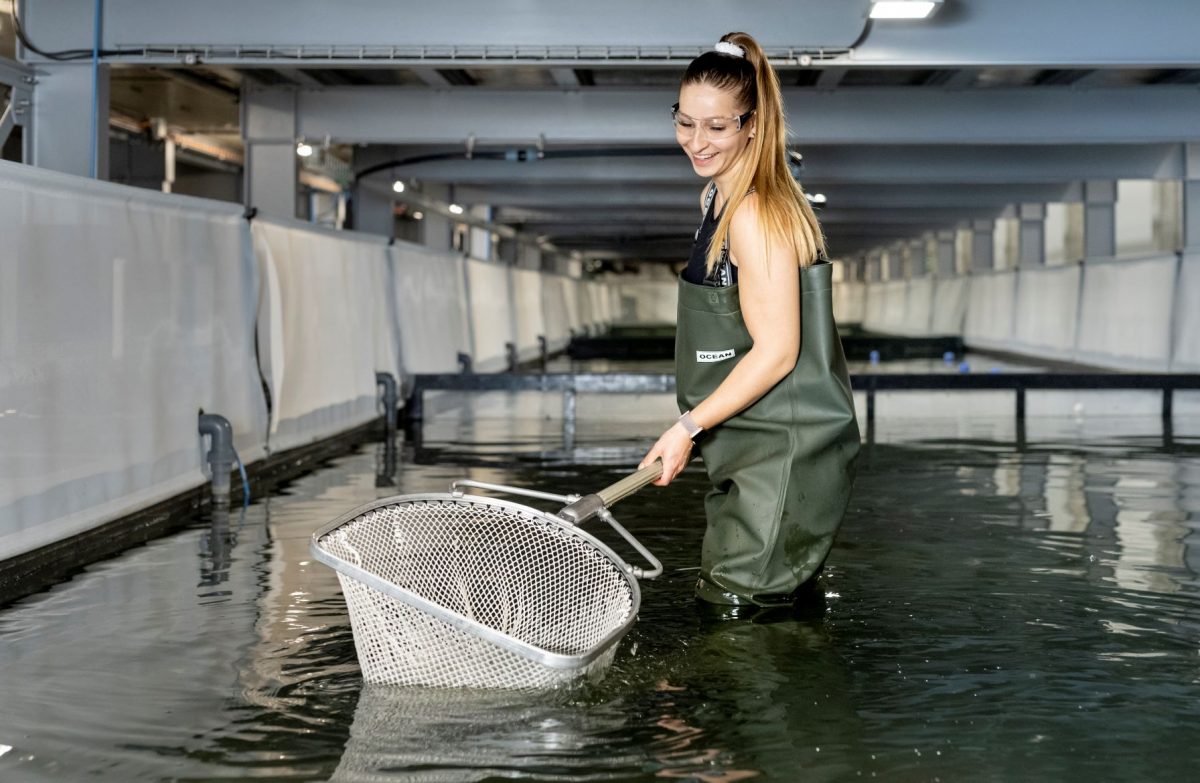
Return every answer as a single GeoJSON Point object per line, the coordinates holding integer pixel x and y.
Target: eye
{"type": "Point", "coordinates": [681, 122]}
{"type": "Point", "coordinates": [717, 128]}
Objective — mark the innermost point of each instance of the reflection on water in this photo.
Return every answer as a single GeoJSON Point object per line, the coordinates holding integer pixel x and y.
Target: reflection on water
{"type": "Point", "coordinates": [995, 609]}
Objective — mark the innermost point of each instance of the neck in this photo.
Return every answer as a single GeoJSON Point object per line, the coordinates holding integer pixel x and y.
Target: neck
{"type": "Point", "coordinates": [725, 184]}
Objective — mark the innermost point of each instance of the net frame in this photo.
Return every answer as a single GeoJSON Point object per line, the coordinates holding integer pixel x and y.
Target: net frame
{"type": "Point", "coordinates": [473, 654]}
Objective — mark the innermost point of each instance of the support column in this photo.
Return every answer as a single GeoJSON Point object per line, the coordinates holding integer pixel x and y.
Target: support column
{"type": "Point", "coordinates": [1032, 235]}
{"type": "Point", "coordinates": [372, 207]}
{"type": "Point", "coordinates": [62, 137]}
{"type": "Point", "coordinates": [437, 227]}
{"type": "Point", "coordinates": [1099, 218]}
{"type": "Point", "coordinates": [481, 238]}
{"type": "Point", "coordinates": [918, 257]}
{"type": "Point", "coordinates": [897, 268]}
{"type": "Point", "coordinates": [269, 132]}
{"type": "Point", "coordinates": [946, 253]}
{"type": "Point", "coordinates": [874, 266]}
{"type": "Point", "coordinates": [1191, 197]}
{"type": "Point", "coordinates": [982, 245]}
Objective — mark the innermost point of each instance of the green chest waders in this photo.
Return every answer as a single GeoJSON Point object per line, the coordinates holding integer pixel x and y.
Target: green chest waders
{"type": "Point", "coordinates": [782, 469]}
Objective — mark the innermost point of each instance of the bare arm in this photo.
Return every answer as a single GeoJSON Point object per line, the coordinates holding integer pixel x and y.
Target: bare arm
{"type": "Point", "coordinates": [769, 294]}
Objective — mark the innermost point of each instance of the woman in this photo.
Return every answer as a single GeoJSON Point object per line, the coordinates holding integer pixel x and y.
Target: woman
{"type": "Point", "coordinates": [760, 373]}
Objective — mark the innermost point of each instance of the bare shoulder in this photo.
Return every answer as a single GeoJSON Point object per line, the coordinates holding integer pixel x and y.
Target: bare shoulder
{"type": "Point", "coordinates": [704, 194]}
{"type": "Point", "coordinates": [749, 238]}
{"type": "Point", "coordinates": [745, 217]}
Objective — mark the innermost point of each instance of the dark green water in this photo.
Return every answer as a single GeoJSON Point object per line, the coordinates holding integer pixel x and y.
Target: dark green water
{"type": "Point", "coordinates": [989, 613]}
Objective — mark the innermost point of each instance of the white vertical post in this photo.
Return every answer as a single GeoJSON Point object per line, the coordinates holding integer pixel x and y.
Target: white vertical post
{"type": "Point", "coordinates": [1099, 218]}
{"type": "Point", "coordinates": [269, 132]}
{"type": "Point", "coordinates": [61, 137]}
{"type": "Point", "coordinates": [1033, 235]}
{"type": "Point", "coordinates": [946, 253]}
{"type": "Point", "coordinates": [982, 245]}
{"type": "Point", "coordinates": [1191, 196]}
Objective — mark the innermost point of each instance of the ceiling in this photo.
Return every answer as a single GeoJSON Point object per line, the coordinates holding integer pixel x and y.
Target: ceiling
{"type": "Point", "coordinates": [904, 129]}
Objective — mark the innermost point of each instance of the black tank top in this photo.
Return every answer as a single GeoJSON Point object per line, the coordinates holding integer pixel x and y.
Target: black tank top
{"type": "Point", "coordinates": [724, 273]}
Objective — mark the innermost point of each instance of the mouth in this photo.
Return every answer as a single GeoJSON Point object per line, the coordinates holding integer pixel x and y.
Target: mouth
{"type": "Point", "coordinates": [703, 160]}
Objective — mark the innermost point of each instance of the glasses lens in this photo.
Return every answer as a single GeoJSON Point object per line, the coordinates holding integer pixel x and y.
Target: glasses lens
{"type": "Point", "coordinates": [711, 128]}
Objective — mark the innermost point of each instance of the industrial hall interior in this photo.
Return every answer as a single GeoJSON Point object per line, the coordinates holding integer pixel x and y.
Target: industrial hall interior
{"type": "Point", "coordinates": [705, 390]}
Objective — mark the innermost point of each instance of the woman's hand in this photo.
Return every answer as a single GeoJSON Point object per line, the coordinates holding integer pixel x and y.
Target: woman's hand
{"type": "Point", "coordinates": [674, 448]}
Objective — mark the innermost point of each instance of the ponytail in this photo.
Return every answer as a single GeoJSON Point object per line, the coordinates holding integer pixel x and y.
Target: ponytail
{"type": "Point", "coordinates": [784, 209]}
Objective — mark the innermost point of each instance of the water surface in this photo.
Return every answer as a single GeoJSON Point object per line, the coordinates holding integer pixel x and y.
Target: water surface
{"type": "Point", "coordinates": [990, 612]}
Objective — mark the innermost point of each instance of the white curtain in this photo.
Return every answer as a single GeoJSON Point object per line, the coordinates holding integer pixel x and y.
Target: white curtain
{"type": "Point", "coordinates": [123, 313]}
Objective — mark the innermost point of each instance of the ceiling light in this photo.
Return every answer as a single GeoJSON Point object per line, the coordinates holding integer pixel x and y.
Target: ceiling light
{"type": "Point", "coordinates": [398, 186]}
{"type": "Point", "coordinates": [816, 198]}
{"type": "Point", "coordinates": [304, 150]}
{"type": "Point", "coordinates": [418, 215]}
{"type": "Point", "coordinates": [456, 209]}
{"type": "Point", "coordinates": [904, 9]}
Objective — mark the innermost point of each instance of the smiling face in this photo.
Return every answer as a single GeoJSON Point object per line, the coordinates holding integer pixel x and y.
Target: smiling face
{"type": "Point", "coordinates": [711, 157]}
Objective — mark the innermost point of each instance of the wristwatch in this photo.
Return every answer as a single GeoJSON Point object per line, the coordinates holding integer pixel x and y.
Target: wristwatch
{"type": "Point", "coordinates": [690, 426]}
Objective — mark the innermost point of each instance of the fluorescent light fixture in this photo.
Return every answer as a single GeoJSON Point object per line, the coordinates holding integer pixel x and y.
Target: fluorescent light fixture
{"type": "Point", "coordinates": [456, 209]}
{"type": "Point", "coordinates": [398, 186]}
{"type": "Point", "coordinates": [304, 150]}
{"type": "Point", "coordinates": [904, 9]}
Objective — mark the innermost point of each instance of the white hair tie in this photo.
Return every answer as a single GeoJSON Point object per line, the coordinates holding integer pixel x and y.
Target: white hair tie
{"type": "Point", "coordinates": [725, 47]}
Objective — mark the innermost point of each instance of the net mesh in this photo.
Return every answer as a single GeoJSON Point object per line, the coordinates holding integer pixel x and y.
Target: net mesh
{"type": "Point", "coordinates": [502, 568]}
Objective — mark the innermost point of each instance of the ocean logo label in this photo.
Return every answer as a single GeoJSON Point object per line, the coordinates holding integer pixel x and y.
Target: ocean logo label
{"type": "Point", "coordinates": [707, 357]}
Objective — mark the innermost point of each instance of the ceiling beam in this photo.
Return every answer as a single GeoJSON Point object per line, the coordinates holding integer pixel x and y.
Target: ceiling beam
{"type": "Point", "coordinates": [1013, 33]}
{"type": "Point", "coordinates": [835, 164]}
{"type": "Point", "coordinates": [525, 31]}
{"type": "Point", "coordinates": [901, 115]}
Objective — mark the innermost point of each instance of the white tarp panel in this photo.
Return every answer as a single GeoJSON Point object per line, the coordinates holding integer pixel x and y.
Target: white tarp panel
{"type": "Point", "coordinates": [123, 312]}
{"type": "Point", "coordinates": [949, 306]}
{"type": "Point", "coordinates": [1125, 313]}
{"type": "Point", "coordinates": [326, 326]}
{"type": "Point", "coordinates": [1187, 316]}
{"type": "Point", "coordinates": [431, 308]}
{"type": "Point", "coordinates": [990, 301]}
{"type": "Point", "coordinates": [531, 323]}
{"type": "Point", "coordinates": [587, 306]}
{"type": "Point", "coordinates": [1047, 311]}
{"type": "Point", "coordinates": [573, 300]}
{"type": "Point", "coordinates": [848, 302]}
{"type": "Point", "coordinates": [554, 310]}
{"type": "Point", "coordinates": [489, 291]}
{"type": "Point", "coordinates": [886, 304]}
{"type": "Point", "coordinates": [918, 306]}
{"type": "Point", "coordinates": [653, 301]}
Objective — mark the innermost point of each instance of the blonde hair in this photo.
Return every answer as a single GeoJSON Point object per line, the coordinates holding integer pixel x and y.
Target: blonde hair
{"type": "Point", "coordinates": [783, 207]}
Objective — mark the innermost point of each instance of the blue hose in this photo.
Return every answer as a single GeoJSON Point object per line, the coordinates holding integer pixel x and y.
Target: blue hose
{"type": "Point", "coordinates": [94, 163]}
{"type": "Point", "coordinates": [245, 480]}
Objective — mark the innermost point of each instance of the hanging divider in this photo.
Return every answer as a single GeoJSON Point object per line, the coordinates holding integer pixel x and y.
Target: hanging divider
{"type": "Point", "coordinates": [530, 319]}
{"type": "Point", "coordinates": [885, 313]}
{"type": "Point", "coordinates": [990, 301]}
{"type": "Point", "coordinates": [1125, 313]}
{"type": "Point", "coordinates": [555, 313]}
{"type": "Point", "coordinates": [325, 328]}
{"type": "Point", "coordinates": [493, 323]}
{"type": "Point", "coordinates": [430, 303]}
{"type": "Point", "coordinates": [918, 304]}
{"type": "Point", "coordinates": [1047, 309]}
{"type": "Point", "coordinates": [572, 300]}
{"type": "Point", "coordinates": [849, 302]}
{"type": "Point", "coordinates": [1186, 354]}
{"type": "Point", "coordinates": [123, 312]}
{"type": "Point", "coordinates": [653, 301]}
{"type": "Point", "coordinates": [949, 306]}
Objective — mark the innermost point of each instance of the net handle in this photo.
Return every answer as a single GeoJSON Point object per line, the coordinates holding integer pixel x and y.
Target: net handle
{"type": "Point", "coordinates": [631, 483]}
